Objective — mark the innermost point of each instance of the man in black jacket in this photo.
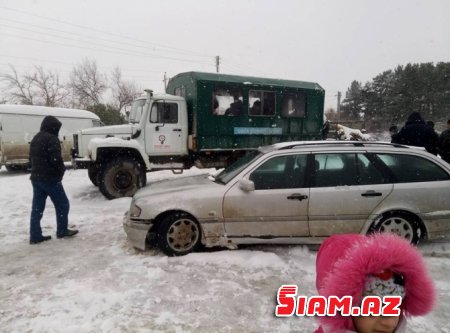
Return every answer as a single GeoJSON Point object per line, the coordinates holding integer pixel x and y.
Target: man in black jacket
{"type": "Point", "coordinates": [416, 133]}
{"type": "Point", "coordinates": [47, 171]}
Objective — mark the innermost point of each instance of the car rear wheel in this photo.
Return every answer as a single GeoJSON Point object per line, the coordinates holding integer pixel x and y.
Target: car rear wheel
{"type": "Point", "coordinates": [178, 234]}
{"type": "Point", "coordinates": [121, 177]}
{"type": "Point", "coordinates": [402, 224]}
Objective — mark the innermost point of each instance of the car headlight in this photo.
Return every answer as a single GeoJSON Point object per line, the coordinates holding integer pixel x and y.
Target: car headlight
{"type": "Point", "coordinates": [135, 210]}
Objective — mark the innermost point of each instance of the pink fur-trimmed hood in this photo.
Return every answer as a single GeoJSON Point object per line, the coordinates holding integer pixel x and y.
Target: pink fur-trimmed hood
{"type": "Point", "coordinates": [344, 262]}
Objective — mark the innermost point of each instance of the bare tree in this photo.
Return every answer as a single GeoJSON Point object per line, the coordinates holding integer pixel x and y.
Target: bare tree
{"type": "Point", "coordinates": [39, 87]}
{"type": "Point", "coordinates": [17, 89]}
{"type": "Point", "coordinates": [48, 87]}
{"type": "Point", "coordinates": [124, 92]}
{"type": "Point", "coordinates": [87, 83]}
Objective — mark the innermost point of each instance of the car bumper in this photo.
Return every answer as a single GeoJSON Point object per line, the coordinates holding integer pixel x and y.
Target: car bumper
{"type": "Point", "coordinates": [136, 232]}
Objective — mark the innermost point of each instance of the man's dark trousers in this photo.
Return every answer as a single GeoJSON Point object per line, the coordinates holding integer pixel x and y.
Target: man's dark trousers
{"type": "Point", "coordinates": [42, 190]}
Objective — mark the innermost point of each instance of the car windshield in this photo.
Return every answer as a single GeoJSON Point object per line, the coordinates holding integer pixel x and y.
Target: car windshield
{"type": "Point", "coordinates": [230, 172]}
{"type": "Point", "coordinates": [137, 108]}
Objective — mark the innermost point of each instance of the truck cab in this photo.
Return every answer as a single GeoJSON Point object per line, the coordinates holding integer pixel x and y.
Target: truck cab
{"type": "Point", "coordinates": [118, 157]}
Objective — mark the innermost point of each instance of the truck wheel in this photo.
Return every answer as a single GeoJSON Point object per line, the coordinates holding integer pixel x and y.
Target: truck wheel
{"type": "Point", "coordinates": [178, 234]}
{"type": "Point", "coordinates": [121, 177]}
{"type": "Point", "coordinates": [93, 173]}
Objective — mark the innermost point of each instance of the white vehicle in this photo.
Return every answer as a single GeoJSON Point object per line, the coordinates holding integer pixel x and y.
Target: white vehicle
{"type": "Point", "coordinates": [297, 193]}
{"type": "Point", "coordinates": [20, 123]}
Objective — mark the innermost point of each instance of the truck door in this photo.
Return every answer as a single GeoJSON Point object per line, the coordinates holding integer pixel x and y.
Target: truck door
{"type": "Point", "coordinates": [166, 129]}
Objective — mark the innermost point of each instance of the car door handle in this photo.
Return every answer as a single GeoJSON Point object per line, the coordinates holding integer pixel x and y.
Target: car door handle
{"type": "Point", "coordinates": [297, 196]}
{"type": "Point", "coordinates": [371, 194]}
{"type": "Point", "coordinates": [177, 130]}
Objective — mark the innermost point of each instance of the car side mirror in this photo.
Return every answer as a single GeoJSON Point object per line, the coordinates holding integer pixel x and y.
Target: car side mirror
{"type": "Point", "coordinates": [246, 185]}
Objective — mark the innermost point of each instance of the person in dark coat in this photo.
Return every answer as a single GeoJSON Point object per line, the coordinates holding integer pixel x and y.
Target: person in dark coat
{"type": "Point", "coordinates": [434, 146]}
{"type": "Point", "coordinates": [444, 143]}
{"type": "Point", "coordinates": [325, 130]}
{"type": "Point", "coordinates": [236, 108]}
{"type": "Point", "coordinates": [47, 171]}
{"type": "Point", "coordinates": [393, 130]}
{"type": "Point", "coordinates": [416, 133]}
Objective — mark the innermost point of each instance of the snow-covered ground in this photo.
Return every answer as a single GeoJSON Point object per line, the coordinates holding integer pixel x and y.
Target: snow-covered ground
{"type": "Point", "coordinates": [96, 282]}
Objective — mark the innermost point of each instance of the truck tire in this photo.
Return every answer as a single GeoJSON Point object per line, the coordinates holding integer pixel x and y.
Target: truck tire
{"type": "Point", "coordinates": [93, 173]}
{"type": "Point", "coordinates": [121, 177]}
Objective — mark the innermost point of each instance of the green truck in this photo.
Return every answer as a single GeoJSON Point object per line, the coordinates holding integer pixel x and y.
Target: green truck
{"type": "Point", "coordinates": [206, 120]}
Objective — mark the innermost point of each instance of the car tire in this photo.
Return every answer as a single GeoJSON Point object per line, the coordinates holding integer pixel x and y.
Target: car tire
{"type": "Point", "coordinates": [178, 234]}
{"type": "Point", "coordinates": [403, 224]}
{"type": "Point", "coordinates": [16, 167]}
{"type": "Point", "coordinates": [121, 177]}
{"type": "Point", "coordinates": [93, 173]}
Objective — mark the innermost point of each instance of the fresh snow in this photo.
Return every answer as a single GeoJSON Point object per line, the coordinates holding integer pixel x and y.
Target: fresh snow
{"type": "Point", "coordinates": [347, 133]}
{"type": "Point", "coordinates": [96, 282]}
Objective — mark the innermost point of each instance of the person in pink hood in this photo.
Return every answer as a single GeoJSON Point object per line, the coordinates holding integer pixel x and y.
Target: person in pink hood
{"type": "Point", "coordinates": [375, 265]}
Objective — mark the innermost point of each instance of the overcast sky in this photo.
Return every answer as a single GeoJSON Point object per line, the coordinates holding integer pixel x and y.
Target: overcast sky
{"type": "Point", "coordinates": [325, 41]}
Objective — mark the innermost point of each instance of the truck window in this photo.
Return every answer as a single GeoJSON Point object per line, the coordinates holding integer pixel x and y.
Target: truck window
{"type": "Point", "coordinates": [261, 103]}
{"type": "Point", "coordinates": [294, 105]}
{"type": "Point", "coordinates": [97, 123]}
{"type": "Point", "coordinates": [136, 110]}
{"type": "Point", "coordinates": [164, 113]}
{"type": "Point", "coordinates": [227, 101]}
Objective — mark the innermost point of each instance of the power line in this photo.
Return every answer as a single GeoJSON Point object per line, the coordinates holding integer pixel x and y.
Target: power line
{"type": "Point", "coordinates": [101, 31]}
{"type": "Point", "coordinates": [76, 34]}
{"type": "Point", "coordinates": [72, 65]}
{"type": "Point", "coordinates": [90, 42]}
{"type": "Point", "coordinates": [107, 51]}
{"type": "Point", "coordinates": [69, 72]}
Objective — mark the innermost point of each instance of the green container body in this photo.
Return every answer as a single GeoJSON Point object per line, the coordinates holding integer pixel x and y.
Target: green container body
{"type": "Point", "coordinates": [214, 132]}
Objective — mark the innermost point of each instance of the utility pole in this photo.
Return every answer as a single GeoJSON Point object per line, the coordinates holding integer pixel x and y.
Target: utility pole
{"type": "Point", "coordinates": [217, 63]}
{"type": "Point", "coordinates": [165, 82]}
{"type": "Point", "coordinates": [338, 110]}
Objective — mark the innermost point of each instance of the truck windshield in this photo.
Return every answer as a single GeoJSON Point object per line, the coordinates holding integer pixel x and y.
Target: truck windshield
{"type": "Point", "coordinates": [137, 108]}
{"type": "Point", "coordinates": [234, 169]}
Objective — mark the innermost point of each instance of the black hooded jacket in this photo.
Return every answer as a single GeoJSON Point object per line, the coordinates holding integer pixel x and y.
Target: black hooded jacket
{"type": "Point", "coordinates": [46, 161]}
{"type": "Point", "coordinates": [416, 133]}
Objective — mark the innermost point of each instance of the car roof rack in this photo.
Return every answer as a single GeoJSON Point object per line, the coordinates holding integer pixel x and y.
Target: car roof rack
{"type": "Point", "coordinates": [337, 143]}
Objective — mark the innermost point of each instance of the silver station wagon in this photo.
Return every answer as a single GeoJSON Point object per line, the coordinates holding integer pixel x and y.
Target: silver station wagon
{"type": "Point", "coordinates": [297, 193]}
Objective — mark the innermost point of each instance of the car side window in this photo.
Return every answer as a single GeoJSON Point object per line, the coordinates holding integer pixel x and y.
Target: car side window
{"type": "Point", "coordinates": [412, 169]}
{"type": "Point", "coordinates": [280, 172]}
{"type": "Point", "coordinates": [367, 173]}
{"type": "Point", "coordinates": [335, 170]}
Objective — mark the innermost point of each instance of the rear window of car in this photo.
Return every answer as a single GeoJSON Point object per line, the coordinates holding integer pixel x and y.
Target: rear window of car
{"type": "Point", "coordinates": [411, 169]}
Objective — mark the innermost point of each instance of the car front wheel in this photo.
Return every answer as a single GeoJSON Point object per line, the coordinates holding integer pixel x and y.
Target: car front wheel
{"type": "Point", "coordinates": [402, 224]}
{"type": "Point", "coordinates": [178, 234]}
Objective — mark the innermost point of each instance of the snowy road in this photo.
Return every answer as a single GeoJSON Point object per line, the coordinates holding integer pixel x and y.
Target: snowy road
{"type": "Point", "coordinates": [96, 282]}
